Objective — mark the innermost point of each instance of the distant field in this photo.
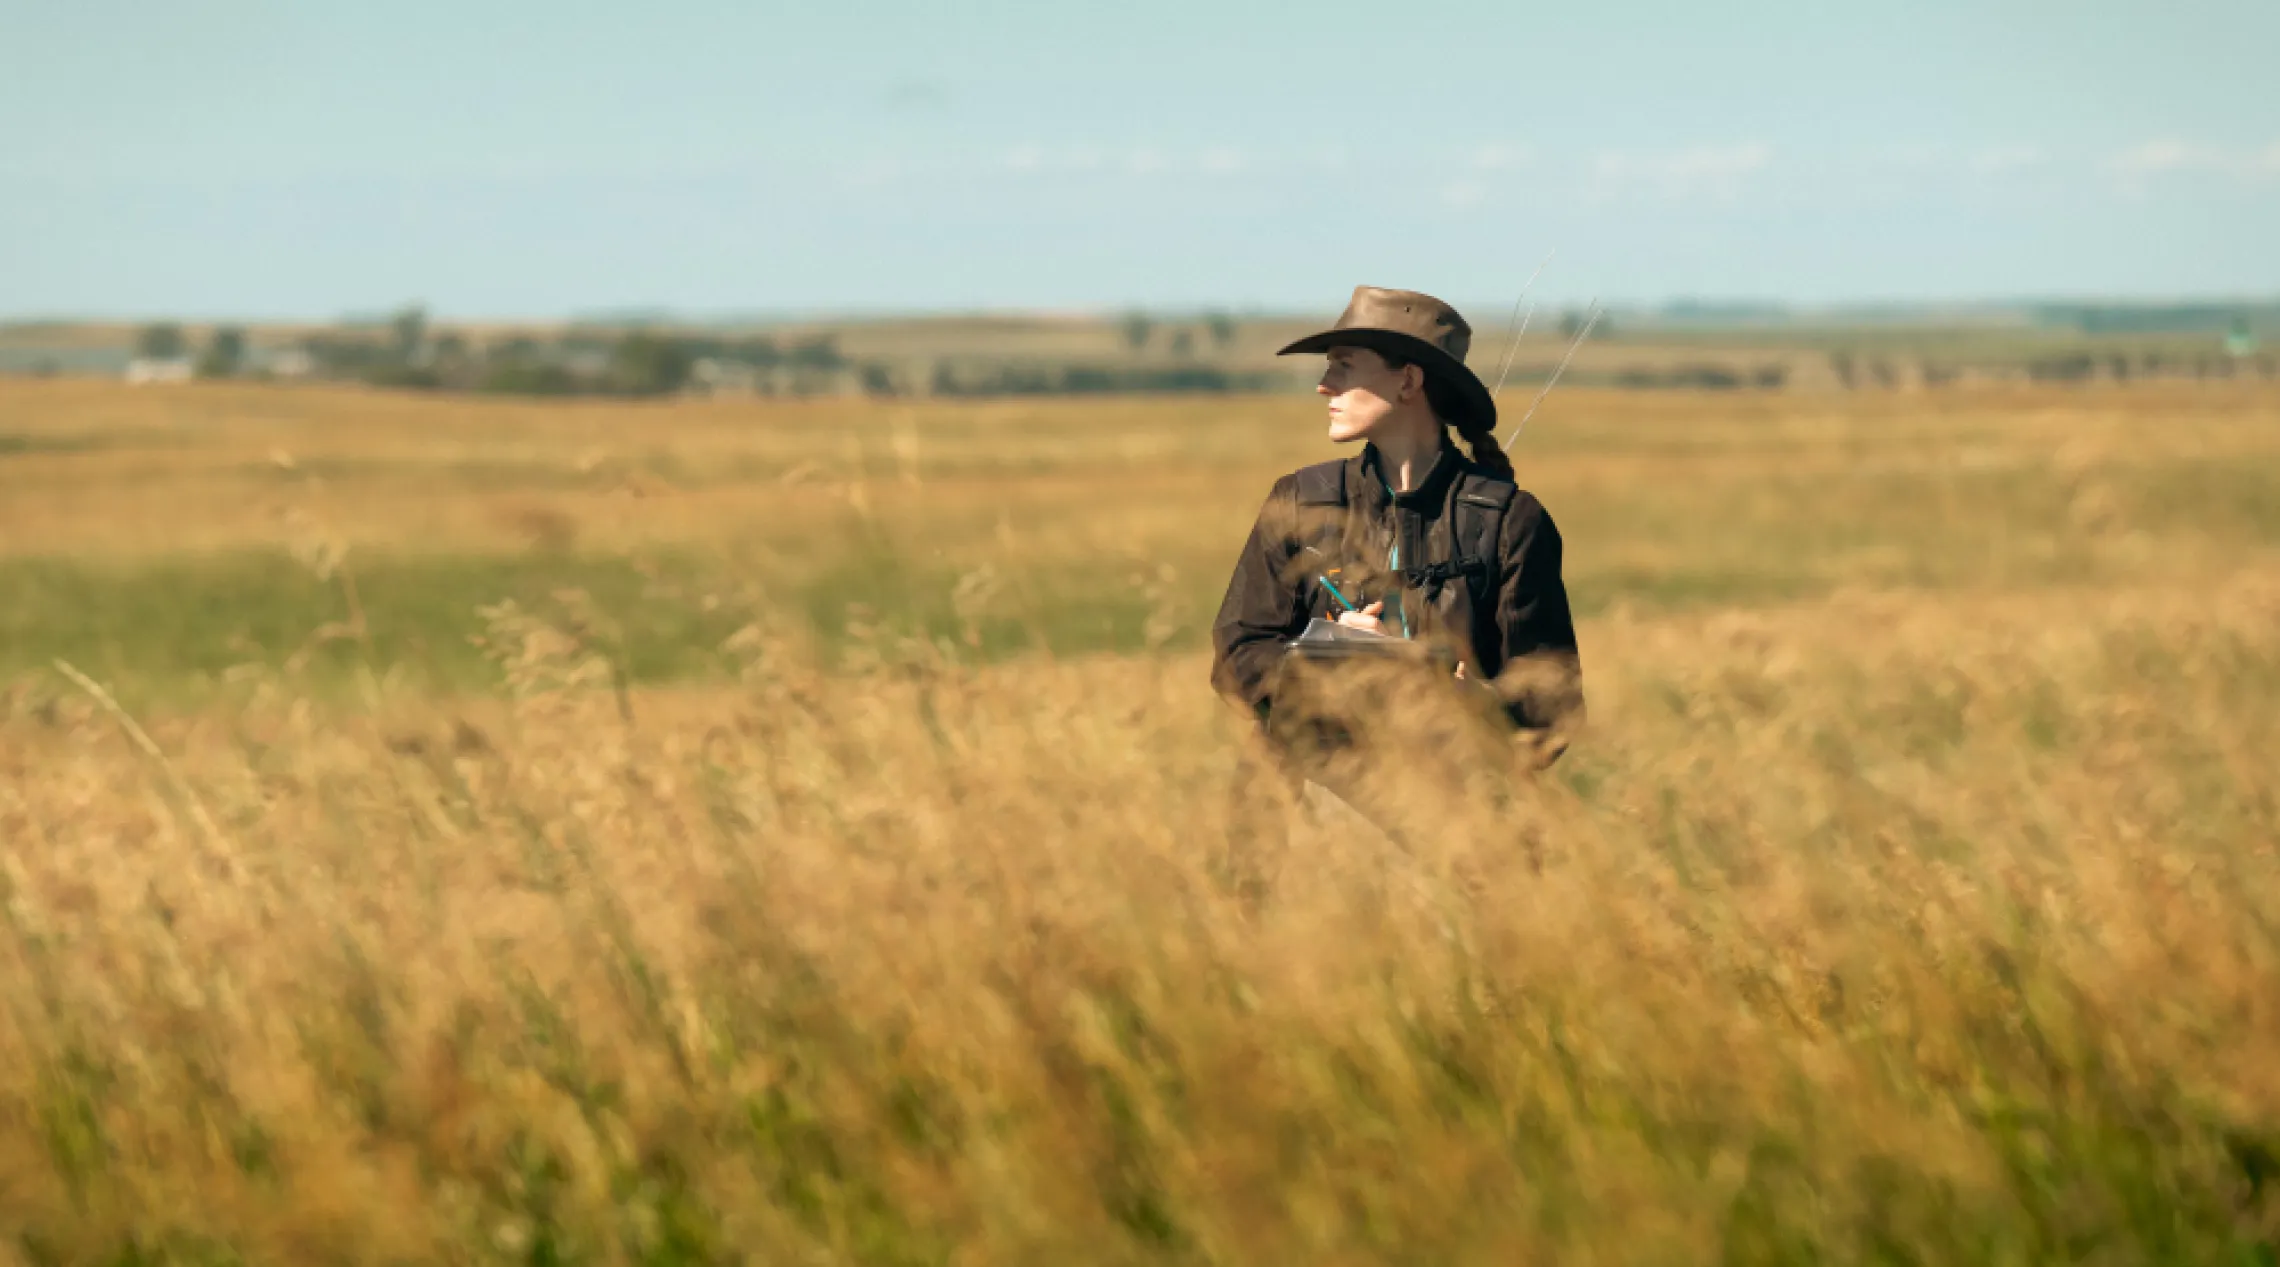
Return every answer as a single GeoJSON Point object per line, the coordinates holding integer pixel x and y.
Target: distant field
{"type": "Point", "coordinates": [831, 853]}
{"type": "Point", "coordinates": [166, 534]}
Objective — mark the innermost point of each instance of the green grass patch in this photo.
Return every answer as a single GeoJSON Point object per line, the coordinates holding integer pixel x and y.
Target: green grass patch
{"type": "Point", "coordinates": [11, 443]}
{"type": "Point", "coordinates": [197, 617]}
{"type": "Point", "coordinates": [190, 620]}
{"type": "Point", "coordinates": [166, 625]}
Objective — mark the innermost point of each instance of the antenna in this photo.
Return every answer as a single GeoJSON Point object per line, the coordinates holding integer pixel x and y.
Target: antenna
{"type": "Point", "coordinates": [1506, 367]}
{"type": "Point", "coordinates": [1552, 382]}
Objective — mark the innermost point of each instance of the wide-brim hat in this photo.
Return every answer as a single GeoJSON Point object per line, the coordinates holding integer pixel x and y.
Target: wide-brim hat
{"type": "Point", "coordinates": [1421, 330]}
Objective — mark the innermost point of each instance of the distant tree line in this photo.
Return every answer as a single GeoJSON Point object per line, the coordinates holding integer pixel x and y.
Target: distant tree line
{"type": "Point", "coordinates": [2067, 365]}
{"type": "Point", "coordinates": [2200, 318]}
{"type": "Point", "coordinates": [222, 357]}
{"type": "Point", "coordinates": [2083, 367]}
{"type": "Point", "coordinates": [406, 351]}
{"type": "Point", "coordinates": [1704, 377]}
{"type": "Point", "coordinates": [1031, 379]}
{"type": "Point", "coordinates": [163, 341]}
{"type": "Point", "coordinates": [1139, 330]}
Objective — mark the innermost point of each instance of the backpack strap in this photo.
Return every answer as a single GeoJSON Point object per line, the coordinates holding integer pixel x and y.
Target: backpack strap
{"type": "Point", "coordinates": [1482, 500]}
{"type": "Point", "coordinates": [1481, 503]}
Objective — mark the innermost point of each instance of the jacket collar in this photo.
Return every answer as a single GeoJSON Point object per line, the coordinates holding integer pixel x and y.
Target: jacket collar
{"type": "Point", "coordinates": [1430, 491]}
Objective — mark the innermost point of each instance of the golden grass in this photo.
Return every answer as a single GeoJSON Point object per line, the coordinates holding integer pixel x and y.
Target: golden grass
{"type": "Point", "coordinates": [113, 471]}
{"type": "Point", "coordinates": [1926, 914]}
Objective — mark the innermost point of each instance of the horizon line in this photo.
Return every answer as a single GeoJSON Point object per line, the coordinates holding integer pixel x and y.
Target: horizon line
{"type": "Point", "coordinates": [1716, 308]}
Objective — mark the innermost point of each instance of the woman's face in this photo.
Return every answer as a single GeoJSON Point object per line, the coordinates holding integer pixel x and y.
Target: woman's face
{"type": "Point", "coordinates": [1363, 390]}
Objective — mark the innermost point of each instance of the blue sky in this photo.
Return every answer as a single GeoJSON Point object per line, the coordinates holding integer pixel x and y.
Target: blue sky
{"type": "Point", "coordinates": [243, 159]}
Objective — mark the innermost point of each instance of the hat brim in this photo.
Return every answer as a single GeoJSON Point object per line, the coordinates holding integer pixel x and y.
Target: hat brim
{"type": "Point", "coordinates": [1473, 395]}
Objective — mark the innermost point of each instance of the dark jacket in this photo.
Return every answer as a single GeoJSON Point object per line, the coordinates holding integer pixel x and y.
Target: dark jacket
{"type": "Point", "coordinates": [1519, 637]}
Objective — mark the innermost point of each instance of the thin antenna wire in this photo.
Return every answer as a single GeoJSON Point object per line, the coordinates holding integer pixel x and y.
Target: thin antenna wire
{"type": "Point", "coordinates": [1506, 367]}
{"type": "Point", "coordinates": [1573, 344]}
{"type": "Point", "coordinates": [1509, 323]}
{"type": "Point", "coordinates": [1525, 318]}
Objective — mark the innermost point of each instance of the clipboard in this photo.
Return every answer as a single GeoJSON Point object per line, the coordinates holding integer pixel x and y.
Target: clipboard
{"type": "Point", "coordinates": [1327, 642]}
{"type": "Point", "coordinates": [1331, 675]}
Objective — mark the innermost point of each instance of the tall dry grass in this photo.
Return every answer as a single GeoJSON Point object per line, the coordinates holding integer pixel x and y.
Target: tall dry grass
{"type": "Point", "coordinates": [1890, 929]}
{"type": "Point", "coordinates": [1912, 898]}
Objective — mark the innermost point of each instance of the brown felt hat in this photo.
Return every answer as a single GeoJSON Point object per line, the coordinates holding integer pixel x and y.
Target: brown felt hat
{"type": "Point", "coordinates": [1416, 328]}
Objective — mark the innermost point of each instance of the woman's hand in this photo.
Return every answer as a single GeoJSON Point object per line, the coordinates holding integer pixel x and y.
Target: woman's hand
{"type": "Point", "coordinates": [1366, 618]}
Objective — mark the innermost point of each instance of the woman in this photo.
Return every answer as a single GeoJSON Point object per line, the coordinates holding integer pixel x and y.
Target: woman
{"type": "Point", "coordinates": [1409, 538]}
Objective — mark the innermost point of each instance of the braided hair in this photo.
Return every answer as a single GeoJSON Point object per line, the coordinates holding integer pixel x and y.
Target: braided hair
{"type": "Point", "coordinates": [1480, 436]}
{"type": "Point", "coordinates": [1478, 433]}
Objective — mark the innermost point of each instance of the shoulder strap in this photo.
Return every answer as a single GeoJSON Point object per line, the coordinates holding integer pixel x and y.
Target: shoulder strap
{"type": "Point", "coordinates": [1482, 500]}
{"type": "Point", "coordinates": [1478, 529]}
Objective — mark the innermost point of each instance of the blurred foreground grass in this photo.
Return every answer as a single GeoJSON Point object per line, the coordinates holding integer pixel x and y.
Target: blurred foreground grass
{"type": "Point", "coordinates": [747, 894]}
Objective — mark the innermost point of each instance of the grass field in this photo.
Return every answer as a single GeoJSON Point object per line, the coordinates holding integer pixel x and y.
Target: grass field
{"type": "Point", "coordinates": [676, 833]}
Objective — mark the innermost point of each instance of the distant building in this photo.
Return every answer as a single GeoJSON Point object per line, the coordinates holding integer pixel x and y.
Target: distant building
{"type": "Point", "coordinates": [152, 369]}
{"type": "Point", "coordinates": [2240, 341]}
{"type": "Point", "coordinates": [716, 377]}
{"type": "Point", "coordinates": [587, 362]}
{"type": "Point", "coordinates": [291, 363]}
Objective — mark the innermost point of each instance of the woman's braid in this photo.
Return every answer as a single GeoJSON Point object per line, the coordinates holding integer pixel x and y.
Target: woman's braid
{"type": "Point", "coordinates": [1486, 453]}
